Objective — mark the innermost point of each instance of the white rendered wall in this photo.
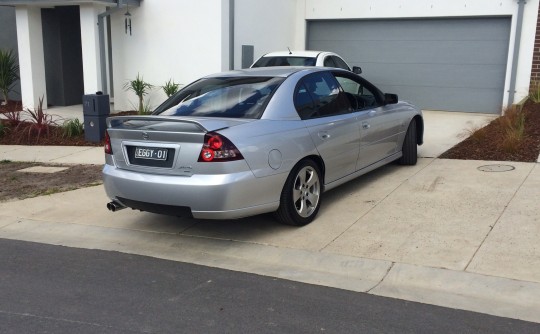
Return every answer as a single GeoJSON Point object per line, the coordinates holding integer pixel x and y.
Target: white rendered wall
{"type": "Point", "coordinates": [386, 9]}
{"type": "Point", "coordinates": [90, 47]}
{"type": "Point", "coordinates": [267, 25]}
{"type": "Point", "coordinates": [31, 59]}
{"type": "Point", "coordinates": [178, 39]}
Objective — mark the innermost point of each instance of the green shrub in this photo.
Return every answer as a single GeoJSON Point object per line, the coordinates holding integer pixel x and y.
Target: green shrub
{"type": "Point", "coordinates": [170, 88]}
{"type": "Point", "coordinates": [140, 88]}
{"type": "Point", "coordinates": [72, 128]}
{"type": "Point", "coordinates": [9, 72]}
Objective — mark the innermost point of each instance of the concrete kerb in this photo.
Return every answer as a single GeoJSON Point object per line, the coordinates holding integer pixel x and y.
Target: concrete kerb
{"type": "Point", "coordinates": [442, 287]}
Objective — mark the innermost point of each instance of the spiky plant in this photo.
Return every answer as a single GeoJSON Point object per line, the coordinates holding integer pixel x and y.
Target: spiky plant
{"type": "Point", "coordinates": [40, 122]}
{"type": "Point", "coordinates": [170, 88]}
{"type": "Point", "coordinates": [9, 73]}
{"type": "Point", "coordinates": [140, 88]}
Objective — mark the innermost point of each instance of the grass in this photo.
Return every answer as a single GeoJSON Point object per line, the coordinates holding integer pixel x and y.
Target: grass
{"type": "Point", "coordinates": [534, 94]}
{"type": "Point", "coordinates": [72, 128]}
{"type": "Point", "coordinates": [512, 124]}
{"type": "Point", "coordinates": [477, 133]}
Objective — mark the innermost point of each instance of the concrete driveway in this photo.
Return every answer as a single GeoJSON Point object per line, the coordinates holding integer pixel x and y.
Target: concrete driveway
{"type": "Point", "coordinates": [442, 232]}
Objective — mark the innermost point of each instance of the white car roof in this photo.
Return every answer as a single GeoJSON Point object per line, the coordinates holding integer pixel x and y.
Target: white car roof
{"type": "Point", "coordinates": [304, 53]}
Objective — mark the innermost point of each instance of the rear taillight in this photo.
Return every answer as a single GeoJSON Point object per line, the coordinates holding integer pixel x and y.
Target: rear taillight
{"type": "Point", "coordinates": [218, 148]}
{"type": "Point", "coordinates": [108, 147]}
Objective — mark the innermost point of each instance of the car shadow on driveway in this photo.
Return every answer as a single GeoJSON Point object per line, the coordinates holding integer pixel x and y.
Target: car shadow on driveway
{"type": "Point", "coordinates": [341, 208]}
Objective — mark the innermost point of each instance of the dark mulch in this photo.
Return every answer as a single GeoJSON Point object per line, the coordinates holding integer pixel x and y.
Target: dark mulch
{"type": "Point", "coordinates": [490, 147]}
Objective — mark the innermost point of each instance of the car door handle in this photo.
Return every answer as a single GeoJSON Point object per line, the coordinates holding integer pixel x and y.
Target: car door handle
{"type": "Point", "coordinates": [324, 135]}
{"type": "Point", "coordinates": [366, 125]}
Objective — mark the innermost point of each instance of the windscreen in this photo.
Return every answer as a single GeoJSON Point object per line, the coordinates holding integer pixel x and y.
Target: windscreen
{"type": "Point", "coordinates": [284, 61]}
{"type": "Point", "coordinates": [235, 97]}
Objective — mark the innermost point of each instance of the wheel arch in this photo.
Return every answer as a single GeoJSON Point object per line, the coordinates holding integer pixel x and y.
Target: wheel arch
{"type": "Point", "coordinates": [419, 129]}
{"type": "Point", "coordinates": [320, 163]}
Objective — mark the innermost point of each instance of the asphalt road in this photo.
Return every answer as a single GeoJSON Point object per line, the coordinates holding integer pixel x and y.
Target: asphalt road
{"type": "Point", "coordinates": [54, 289]}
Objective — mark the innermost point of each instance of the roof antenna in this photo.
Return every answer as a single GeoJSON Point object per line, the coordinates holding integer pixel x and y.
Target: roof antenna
{"type": "Point", "coordinates": [289, 51]}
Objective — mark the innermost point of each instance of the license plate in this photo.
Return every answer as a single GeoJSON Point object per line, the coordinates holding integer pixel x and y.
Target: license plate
{"type": "Point", "coordinates": [152, 153]}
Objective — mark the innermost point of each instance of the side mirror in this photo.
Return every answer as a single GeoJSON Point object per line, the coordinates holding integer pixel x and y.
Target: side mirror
{"type": "Point", "coordinates": [390, 98]}
{"type": "Point", "coordinates": [357, 69]}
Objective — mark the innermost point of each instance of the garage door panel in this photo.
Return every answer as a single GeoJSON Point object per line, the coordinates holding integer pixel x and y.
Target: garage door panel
{"type": "Point", "coordinates": [430, 98]}
{"type": "Point", "coordinates": [466, 57]}
{"type": "Point", "coordinates": [470, 77]}
{"type": "Point", "coordinates": [414, 30]}
{"type": "Point", "coordinates": [453, 52]}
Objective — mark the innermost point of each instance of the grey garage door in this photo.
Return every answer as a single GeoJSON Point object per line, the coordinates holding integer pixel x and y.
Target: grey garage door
{"type": "Point", "coordinates": [438, 64]}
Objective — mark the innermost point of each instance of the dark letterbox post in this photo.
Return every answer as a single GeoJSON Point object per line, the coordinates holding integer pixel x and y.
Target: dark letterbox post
{"type": "Point", "coordinates": [96, 109]}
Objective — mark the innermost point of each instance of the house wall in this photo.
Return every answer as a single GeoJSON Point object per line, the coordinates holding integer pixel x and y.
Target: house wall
{"type": "Point", "coordinates": [535, 70]}
{"type": "Point", "coordinates": [385, 9]}
{"type": "Point", "coordinates": [178, 39]}
{"type": "Point", "coordinates": [268, 26]}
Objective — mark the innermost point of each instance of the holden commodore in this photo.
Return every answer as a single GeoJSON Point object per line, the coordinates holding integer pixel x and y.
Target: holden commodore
{"type": "Point", "coordinates": [254, 141]}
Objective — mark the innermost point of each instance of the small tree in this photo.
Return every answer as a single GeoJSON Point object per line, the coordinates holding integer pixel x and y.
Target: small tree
{"type": "Point", "coordinates": [140, 88]}
{"type": "Point", "coordinates": [170, 87]}
{"type": "Point", "coordinates": [9, 73]}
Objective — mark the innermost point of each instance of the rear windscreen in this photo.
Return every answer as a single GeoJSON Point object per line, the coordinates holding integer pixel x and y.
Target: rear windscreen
{"type": "Point", "coordinates": [236, 97]}
{"type": "Point", "coordinates": [284, 61]}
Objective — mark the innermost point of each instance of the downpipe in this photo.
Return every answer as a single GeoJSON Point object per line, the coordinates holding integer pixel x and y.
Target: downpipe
{"type": "Point", "coordinates": [115, 206]}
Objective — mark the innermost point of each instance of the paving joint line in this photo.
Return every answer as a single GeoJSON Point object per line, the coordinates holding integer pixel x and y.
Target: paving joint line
{"type": "Point", "coordinates": [87, 148]}
{"type": "Point", "coordinates": [383, 278]}
{"type": "Point", "coordinates": [377, 204]}
{"type": "Point", "coordinates": [492, 227]}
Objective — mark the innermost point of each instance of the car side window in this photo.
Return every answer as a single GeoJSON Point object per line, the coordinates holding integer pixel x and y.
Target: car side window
{"type": "Point", "coordinates": [340, 63]}
{"type": "Point", "coordinates": [329, 62]}
{"type": "Point", "coordinates": [358, 93]}
{"type": "Point", "coordinates": [318, 95]}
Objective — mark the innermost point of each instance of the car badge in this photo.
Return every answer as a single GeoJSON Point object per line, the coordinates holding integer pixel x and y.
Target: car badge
{"type": "Point", "coordinates": [145, 136]}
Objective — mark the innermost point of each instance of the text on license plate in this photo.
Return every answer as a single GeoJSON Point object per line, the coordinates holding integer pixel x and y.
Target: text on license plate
{"type": "Point", "coordinates": [151, 153]}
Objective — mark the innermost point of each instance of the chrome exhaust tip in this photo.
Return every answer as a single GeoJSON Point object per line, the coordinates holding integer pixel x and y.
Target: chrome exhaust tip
{"type": "Point", "coordinates": [115, 206]}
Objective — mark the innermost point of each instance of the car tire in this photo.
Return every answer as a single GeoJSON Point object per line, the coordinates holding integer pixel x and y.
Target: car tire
{"type": "Point", "coordinates": [301, 195]}
{"type": "Point", "coordinates": [410, 147]}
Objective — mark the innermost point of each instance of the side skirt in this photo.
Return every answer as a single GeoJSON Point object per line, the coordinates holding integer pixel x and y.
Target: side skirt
{"type": "Point", "coordinates": [363, 171]}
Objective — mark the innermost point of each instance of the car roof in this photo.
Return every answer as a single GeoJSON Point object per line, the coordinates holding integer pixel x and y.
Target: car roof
{"type": "Point", "coordinates": [304, 53]}
{"type": "Point", "coordinates": [275, 71]}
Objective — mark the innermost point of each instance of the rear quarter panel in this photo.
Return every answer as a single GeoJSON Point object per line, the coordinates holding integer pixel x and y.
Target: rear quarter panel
{"type": "Point", "coordinates": [287, 140]}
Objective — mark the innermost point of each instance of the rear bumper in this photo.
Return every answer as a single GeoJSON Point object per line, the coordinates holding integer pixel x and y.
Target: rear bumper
{"type": "Point", "coordinates": [227, 196]}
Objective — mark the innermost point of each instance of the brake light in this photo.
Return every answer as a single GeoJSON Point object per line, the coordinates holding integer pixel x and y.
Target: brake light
{"type": "Point", "coordinates": [108, 146]}
{"type": "Point", "coordinates": [217, 148]}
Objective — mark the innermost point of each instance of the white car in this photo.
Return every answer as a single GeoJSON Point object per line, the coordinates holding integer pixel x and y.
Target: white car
{"type": "Point", "coordinates": [304, 58]}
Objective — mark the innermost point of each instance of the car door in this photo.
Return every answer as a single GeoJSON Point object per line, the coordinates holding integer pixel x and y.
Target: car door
{"type": "Point", "coordinates": [378, 124]}
{"type": "Point", "coordinates": [327, 114]}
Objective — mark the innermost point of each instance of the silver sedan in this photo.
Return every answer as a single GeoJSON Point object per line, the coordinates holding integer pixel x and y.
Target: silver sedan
{"type": "Point", "coordinates": [248, 142]}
